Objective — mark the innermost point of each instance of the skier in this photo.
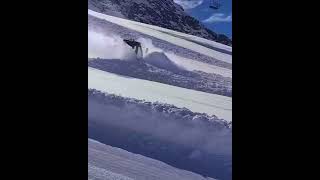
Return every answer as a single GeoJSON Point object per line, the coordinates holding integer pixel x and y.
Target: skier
{"type": "Point", "coordinates": [134, 45]}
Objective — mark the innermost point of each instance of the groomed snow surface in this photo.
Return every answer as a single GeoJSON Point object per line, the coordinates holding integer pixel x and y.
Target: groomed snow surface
{"type": "Point", "coordinates": [129, 166]}
{"type": "Point", "coordinates": [157, 130]}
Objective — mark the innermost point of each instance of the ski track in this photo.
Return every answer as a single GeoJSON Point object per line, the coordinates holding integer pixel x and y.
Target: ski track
{"type": "Point", "coordinates": [196, 101]}
{"type": "Point", "coordinates": [129, 166]}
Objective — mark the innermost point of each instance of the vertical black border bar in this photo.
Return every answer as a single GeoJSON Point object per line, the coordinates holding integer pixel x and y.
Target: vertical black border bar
{"type": "Point", "coordinates": [75, 62]}
{"type": "Point", "coordinates": [47, 89]}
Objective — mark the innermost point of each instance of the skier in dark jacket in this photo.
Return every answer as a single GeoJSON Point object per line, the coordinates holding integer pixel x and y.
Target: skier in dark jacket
{"type": "Point", "coordinates": [134, 45]}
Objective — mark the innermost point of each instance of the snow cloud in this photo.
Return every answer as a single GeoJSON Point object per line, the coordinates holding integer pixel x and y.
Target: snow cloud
{"type": "Point", "coordinates": [218, 17]}
{"type": "Point", "coordinates": [107, 47]}
{"type": "Point", "coordinates": [189, 4]}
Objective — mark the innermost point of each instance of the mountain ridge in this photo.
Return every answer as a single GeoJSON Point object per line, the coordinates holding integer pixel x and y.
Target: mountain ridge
{"type": "Point", "coordinates": [164, 13]}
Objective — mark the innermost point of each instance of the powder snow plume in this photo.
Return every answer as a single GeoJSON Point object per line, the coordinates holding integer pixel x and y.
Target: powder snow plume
{"type": "Point", "coordinates": [108, 47]}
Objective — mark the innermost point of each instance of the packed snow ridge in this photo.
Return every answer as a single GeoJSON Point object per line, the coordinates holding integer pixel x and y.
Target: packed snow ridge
{"type": "Point", "coordinates": [212, 123]}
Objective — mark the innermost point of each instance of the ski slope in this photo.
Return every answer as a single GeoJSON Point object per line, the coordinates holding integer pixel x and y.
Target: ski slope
{"type": "Point", "coordinates": [196, 101]}
{"type": "Point", "coordinates": [119, 105]}
{"type": "Point", "coordinates": [173, 37]}
{"type": "Point", "coordinates": [188, 59]}
{"type": "Point", "coordinates": [129, 166]}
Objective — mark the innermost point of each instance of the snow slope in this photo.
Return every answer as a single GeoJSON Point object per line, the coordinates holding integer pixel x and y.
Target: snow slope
{"type": "Point", "coordinates": [165, 35]}
{"type": "Point", "coordinates": [211, 44]}
{"type": "Point", "coordinates": [159, 68]}
{"type": "Point", "coordinates": [189, 130]}
{"type": "Point", "coordinates": [177, 136]}
{"type": "Point", "coordinates": [196, 101]}
{"type": "Point", "coordinates": [110, 46]}
{"type": "Point", "coordinates": [129, 166]}
{"type": "Point", "coordinates": [109, 29]}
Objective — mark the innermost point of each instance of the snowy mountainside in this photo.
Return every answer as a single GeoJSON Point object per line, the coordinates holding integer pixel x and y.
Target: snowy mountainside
{"type": "Point", "coordinates": [163, 13]}
{"type": "Point", "coordinates": [168, 110]}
